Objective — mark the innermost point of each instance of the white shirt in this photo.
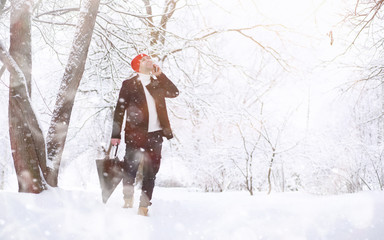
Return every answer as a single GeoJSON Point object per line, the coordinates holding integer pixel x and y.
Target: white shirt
{"type": "Point", "coordinates": [153, 121]}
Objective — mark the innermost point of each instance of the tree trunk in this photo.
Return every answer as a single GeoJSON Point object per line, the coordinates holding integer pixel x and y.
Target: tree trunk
{"type": "Point", "coordinates": [22, 132]}
{"type": "Point", "coordinates": [270, 170]}
{"type": "Point", "coordinates": [58, 129]}
{"type": "Point", "coordinates": [158, 33]}
{"type": "Point", "coordinates": [27, 140]}
{"type": "Point", "coordinates": [20, 37]}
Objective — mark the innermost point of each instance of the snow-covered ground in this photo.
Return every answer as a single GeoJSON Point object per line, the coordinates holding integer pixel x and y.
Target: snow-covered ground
{"type": "Point", "coordinates": [179, 213]}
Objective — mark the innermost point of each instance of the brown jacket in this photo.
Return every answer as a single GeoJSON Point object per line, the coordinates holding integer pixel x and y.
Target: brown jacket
{"type": "Point", "coordinates": [132, 101]}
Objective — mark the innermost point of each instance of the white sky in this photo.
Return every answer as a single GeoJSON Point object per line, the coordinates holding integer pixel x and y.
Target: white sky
{"type": "Point", "coordinates": [304, 42]}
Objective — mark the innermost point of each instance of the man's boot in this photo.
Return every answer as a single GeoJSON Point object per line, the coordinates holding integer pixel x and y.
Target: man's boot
{"type": "Point", "coordinates": [128, 202]}
{"type": "Point", "coordinates": [143, 211]}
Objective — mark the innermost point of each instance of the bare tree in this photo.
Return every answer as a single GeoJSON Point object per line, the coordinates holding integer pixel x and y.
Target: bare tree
{"type": "Point", "coordinates": [27, 140]}
{"type": "Point", "coordinates": [366, 21]}
{"type": "Point", "coordinates": [364, 15]}
{"type": "Point", "coordinates": [74, 70]}
{"type": "Point", "coordinates": [249, 157]}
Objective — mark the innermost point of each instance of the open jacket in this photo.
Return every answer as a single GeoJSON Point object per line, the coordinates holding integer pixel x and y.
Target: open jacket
{"type": "Point", "coordinates": [133, 102]}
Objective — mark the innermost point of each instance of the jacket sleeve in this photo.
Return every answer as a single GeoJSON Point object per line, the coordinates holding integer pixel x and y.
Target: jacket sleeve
{"type": "Point", "coordinates": [170, 90]}
{"type": "Point", "coordinates": [118, 117]}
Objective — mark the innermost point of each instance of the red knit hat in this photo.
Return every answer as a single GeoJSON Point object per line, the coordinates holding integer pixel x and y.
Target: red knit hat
{"type": "Point", "coordinates": [135, 64]}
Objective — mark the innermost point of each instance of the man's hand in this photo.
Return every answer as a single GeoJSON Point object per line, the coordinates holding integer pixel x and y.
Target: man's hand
{"type": "Point", "coordinates": [156, 70]}
{"type": "Point", "coordinates": [115, 141]}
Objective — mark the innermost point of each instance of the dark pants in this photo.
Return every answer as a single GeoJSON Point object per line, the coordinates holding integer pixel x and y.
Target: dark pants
{"type": "Point", "coordinates": [150, 154]}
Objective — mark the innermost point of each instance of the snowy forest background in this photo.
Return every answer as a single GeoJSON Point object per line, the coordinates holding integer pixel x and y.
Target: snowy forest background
{"type": "Point", "coordinates": [287, 89]}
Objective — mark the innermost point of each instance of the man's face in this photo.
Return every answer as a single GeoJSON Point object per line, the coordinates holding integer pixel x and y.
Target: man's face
{"type": "Point", "coordinates": [146, 64]}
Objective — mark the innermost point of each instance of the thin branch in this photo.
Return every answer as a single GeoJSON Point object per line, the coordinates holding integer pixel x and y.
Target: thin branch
{"type": "Point", "coordinates": [10, 63]}
{"type": "Point", "coordinates": [243, 138]}
{"type": "Point", "coordinates": [54, 23]}
{"type": "Point", "coordinates": [234, 30]}
{"type": "Point", "coordinates": [149, 14]}
{"type": "Point", "coordinates": [118, 51]}
{"type": "Point", "coordinates": [82, 126]}
{"type": "Point", "coordinates": [41, 95]}
{"type": "Point", "coordinates": [357, 4]}
{"type": "Point", "coordinates": [241, 171]}
{"type": "Point", "coordinates": [365, 183]}
{"type": "Point", "coordinates": [377, 7]}
{"type": "Point", "coordinates": [2, 70]}
{"type": "Point", "coordinates": [170, 8]}
{"type": "Point", "coordinates": [270, 50]}
{"type": "Point", "coordinates": [58, 12]}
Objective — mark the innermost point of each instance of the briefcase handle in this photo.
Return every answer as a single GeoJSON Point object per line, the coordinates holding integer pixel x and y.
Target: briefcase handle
{"type": "Point", "coordinates": [117, 148]}
{"type": "Point", "coordinates": [110, 148]}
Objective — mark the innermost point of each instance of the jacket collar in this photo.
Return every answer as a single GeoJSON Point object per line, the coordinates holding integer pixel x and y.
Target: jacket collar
{"type": "Point", "coordinates": [153, 84]}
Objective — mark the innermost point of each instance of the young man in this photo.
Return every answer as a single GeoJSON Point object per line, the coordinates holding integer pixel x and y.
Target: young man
{"type": "Point", "coordinates": [142, 98]}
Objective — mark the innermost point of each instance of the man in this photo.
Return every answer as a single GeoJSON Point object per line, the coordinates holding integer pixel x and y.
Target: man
{"type": "Point", "coordinates": [142, 98]}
